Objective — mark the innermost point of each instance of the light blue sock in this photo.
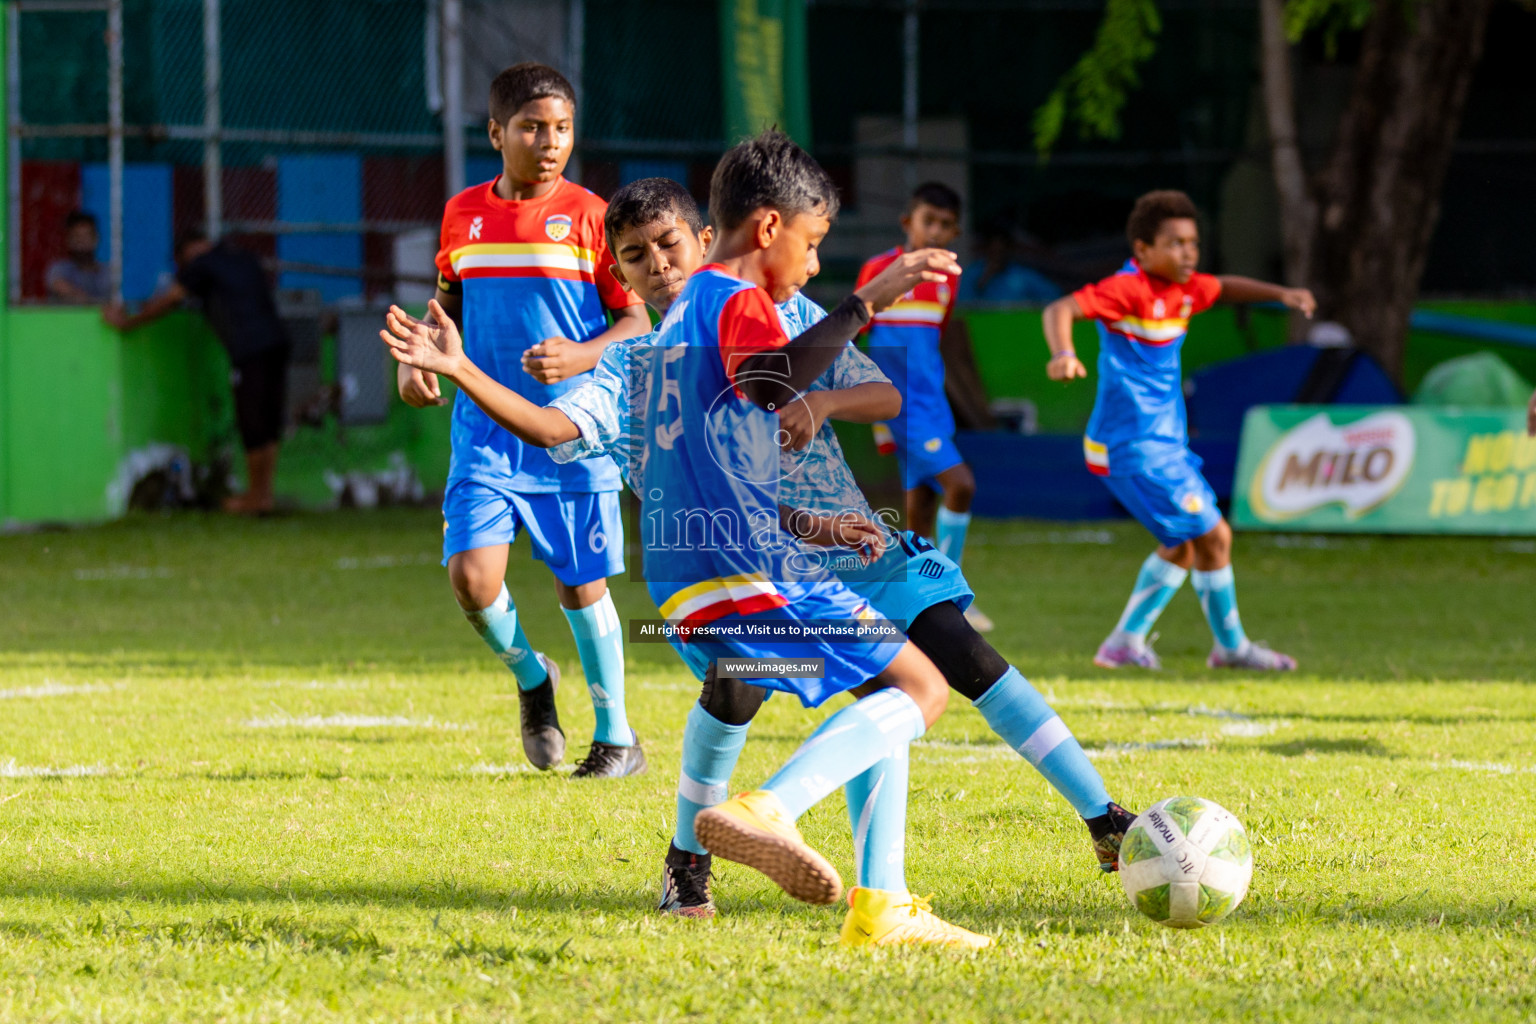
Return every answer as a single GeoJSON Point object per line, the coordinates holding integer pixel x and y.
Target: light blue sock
{"type": "Point", "coordinates": [949, 531]}
{"type": "Point", "coordinates": [710, 751]}
{"type": "Point", "coordinates": [1016, 712]}
{"type": "Point", "coordinates": [499, 627]}
{"type": "Point", "coordinates": [877, 809]}
{"type": "Point", "coordinates": [844, 746]}
{"type": "Point", "coordinates": [1218, 599]}
{"type": "Point", "coordinates": [1156, 584]}
{"type": "Point", "coordinates": [601, 647]}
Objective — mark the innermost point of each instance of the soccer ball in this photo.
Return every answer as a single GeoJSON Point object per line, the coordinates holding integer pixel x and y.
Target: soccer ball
{"type": "Point", "coordinates": [1186, 862]}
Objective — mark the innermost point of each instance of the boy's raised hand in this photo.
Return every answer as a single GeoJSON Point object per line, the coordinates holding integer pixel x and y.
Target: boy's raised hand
{"type": "Point", "coordinates": [1065, 367]}
{"type": "Point", "coordinates": [1299, 299]}
{"type": "Point", "coordinates": [553, 360]}
{"type": "Point", "coordinates": [433, 347]}
{"type": "Point", "coordinates": [904, 273]}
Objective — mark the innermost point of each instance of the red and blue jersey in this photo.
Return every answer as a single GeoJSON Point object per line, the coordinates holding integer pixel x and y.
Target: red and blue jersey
{"type": "Point", "coordinates": [1138, 416]}
{"type": "Point", "coordinates": [904, 342]}
{"type": "Point", "coordinates": [711, 462]}
{"type": "Point", "coordinates": [528, 269]}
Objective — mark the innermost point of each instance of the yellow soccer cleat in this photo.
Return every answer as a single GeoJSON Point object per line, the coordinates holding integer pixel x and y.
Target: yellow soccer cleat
{"type": "Point", "coordinates": [754, 829]}
{"type": "Point", "coordinates": [891, 917]}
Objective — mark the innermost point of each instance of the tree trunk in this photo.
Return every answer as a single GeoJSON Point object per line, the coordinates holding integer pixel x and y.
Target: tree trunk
{"type": "Point", "coordinates": [1377, 199]}
{"type": "Point", "coordinates": [1298, 213]}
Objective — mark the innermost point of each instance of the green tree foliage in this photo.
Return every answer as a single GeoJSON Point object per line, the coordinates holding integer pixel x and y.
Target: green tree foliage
{"type": "Point", "coordinates": [1094, 91]}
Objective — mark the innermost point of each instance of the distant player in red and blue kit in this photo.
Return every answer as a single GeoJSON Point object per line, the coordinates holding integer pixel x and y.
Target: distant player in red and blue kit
{"type": "Point", "coordinates": [1137, 441]}
{"type": "Point", "coordinates": [525, 270]}
{"type": "Point", "coordinates": [904, 343]}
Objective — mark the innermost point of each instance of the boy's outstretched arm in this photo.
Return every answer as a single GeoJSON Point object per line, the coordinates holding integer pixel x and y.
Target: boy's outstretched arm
{"type": "Point", "coordinates": [418, 388]}
{"type": "Point", "coordinates": [1246, 289]}
{"type": "Point", "coordinates": [436, 348]}
{"type": "Point", "coordinates": [1057, 320]}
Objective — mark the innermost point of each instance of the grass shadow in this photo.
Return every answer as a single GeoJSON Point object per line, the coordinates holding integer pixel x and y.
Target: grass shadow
{"type": "Point", "coordinates": [1370, 747]}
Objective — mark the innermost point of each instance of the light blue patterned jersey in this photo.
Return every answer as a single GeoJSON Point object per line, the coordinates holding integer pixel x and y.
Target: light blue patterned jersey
{"type": "Point", "coordinates": [817, 478]}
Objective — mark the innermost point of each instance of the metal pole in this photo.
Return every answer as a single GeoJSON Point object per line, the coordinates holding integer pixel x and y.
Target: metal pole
{"type": "Point", "coordinates": [575, 46]}
{"type": "Point", "coordinates": [213, 116]}
{"type": "Point", "coordinates": [115, 141]}
{"type": "Point", "coordinates": [13, 150]}
{"type": "Point", "coordinates": [909, 53]}
{"type": "Point", "coordinates": [453, 96]}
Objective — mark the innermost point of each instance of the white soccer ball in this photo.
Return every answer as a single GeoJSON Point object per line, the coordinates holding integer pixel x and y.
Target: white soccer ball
{"type": "Point", "coordinates": [1186, 862]}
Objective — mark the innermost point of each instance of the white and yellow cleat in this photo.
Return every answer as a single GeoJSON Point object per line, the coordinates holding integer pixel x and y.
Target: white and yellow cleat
{"type": "Point", "coordinates": [891, 917]}
{"type": "Point", "coordinates": [754, 829]}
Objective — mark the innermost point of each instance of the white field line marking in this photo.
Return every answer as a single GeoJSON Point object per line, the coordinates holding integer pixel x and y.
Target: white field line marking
{"type": "Point", "coordinates": [388, 561]}
{"type": "Point", "coordinates": [348, 722]}
{"type": "Point", "coordinates": [1519, 547]}
{"type": "Point", "coordinates": [1293, 540]}
{"type": "Point", "coordinates": [313, 684]}
{"type": "Point", "coordinates": [124, 572]}
{"type": "Point", "coordinates": [1484, 766]}
{"type": "Point", "coordinates": [1121, 749]}
{"type": "Point", "coordinates": [1050, 537]}
{"type": "Point", "coordinates": [51, 689]}
{"type": "Point", "coordinates": [1238, 725]}
{"type": "Point", "coordinates": [9, 769]}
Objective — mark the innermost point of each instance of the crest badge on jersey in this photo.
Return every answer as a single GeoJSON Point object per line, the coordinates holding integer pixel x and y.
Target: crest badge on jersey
{"type": "Point", "coordinates": [1159, 310]}
{"type": "Point", "coordinates": [557, 227]}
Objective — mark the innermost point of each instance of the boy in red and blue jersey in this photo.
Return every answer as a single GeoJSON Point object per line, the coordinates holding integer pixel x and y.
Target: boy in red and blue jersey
{"type": "Point", "coordinates": [904, 342]}
{"type": "Point", "coordinates": [1137, 441]}
{"type": "Point", "coordinates": [525, 269]}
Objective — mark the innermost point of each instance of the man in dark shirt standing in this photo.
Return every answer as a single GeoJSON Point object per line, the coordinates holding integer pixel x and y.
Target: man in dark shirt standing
{"type": "Point", "coordinates": [237, 300]}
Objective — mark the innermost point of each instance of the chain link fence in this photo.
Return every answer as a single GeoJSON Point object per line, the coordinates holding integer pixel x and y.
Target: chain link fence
{"type": "Point", "coordinates": [314, 133]}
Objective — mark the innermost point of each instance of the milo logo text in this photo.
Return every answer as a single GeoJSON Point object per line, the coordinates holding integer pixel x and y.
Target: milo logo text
{"type": "Point", "coordinates": [1356, 466]}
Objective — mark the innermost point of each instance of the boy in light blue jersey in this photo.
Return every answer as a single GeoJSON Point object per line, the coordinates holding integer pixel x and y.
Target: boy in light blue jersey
{"type": "Point", "coordinates": [652, 227]}
{"type": "Point", "coordinates": [1137, 441]}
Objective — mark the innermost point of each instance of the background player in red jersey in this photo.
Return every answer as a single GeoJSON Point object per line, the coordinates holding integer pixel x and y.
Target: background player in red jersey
{"type": "Point", "coordinates": [1137, 441]}
{"type": "Point", "coordinates": [904, 343]}
{"type": "Point", "coordinates": [524, 269]}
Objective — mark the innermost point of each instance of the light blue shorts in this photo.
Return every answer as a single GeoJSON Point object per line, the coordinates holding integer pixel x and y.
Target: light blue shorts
{"type": "Point", "coordinates": [580, 536]}
{"type": "Point", "coordinates": [1171, 499]}
{"type": "Point", "coordinates": [911, 577]}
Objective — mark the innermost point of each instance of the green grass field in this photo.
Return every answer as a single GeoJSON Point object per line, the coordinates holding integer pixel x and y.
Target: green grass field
{"type": "Point", "coordinates": [264, 771]}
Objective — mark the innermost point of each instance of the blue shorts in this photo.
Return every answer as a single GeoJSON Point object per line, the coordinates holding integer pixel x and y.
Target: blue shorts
{"type": "Point", "coordinates": [580, 536]}
{"type": "Point", "coordinates": [848, 663]}
{"type": "Point", "coordinates": [911, 577]}
{"type": "Point", "coordinates": [924, 458]}
{"type": "Point", "coordinates": [1171, 499]}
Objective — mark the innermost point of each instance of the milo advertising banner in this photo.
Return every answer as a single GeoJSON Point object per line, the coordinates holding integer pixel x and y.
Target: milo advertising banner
{"type": "Point", "coordinates": [1385, 469]}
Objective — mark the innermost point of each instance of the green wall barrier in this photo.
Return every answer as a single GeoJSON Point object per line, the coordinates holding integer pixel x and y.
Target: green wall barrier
{"type": "Point", "coordinates": [78, 399]}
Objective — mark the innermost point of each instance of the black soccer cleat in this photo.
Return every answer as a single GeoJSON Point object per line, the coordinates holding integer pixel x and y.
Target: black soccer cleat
{"type": "Point", "coordinates": [543, 739]}
{"type": "Point", "coordinates": [1108, 831]}
{"type": "Point", "coordinates": [685, 885]}
{"type": "Point", "coordinates": [607, 761]}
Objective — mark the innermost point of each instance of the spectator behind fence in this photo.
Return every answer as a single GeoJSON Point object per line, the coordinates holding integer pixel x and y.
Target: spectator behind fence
{"type": "Point", "coordinates": [237, 300]}
{"type": "Point", "coordinates": [79, 276]}
{"type": "Point", "coordinates": [999, 276]}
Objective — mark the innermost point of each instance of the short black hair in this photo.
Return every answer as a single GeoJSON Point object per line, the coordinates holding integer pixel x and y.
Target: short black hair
{"type": "Point", "coordinates": [1152, 209]}
{"type": "Point", "coordinates": [186, 238]}
{"type": "Point", "coordinates": [769, 170]}
{"type": "Point", "coordinates": [82, 217]}
{"type": "Point", "coordinates": [937, 195]}
{"type": "Point", "coordinates": [524, 83]}
{"type": "Point", "coordinates": [648, 200]}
